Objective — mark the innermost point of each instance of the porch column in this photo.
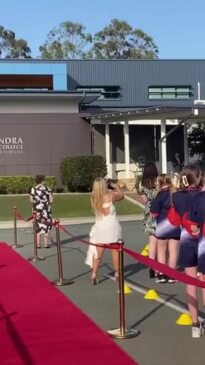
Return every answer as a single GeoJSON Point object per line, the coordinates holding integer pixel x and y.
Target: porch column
{"type": "Point", "coordinates": [186, 149]}
{"type": "Point", "coordinates": [163, 150]}
{"type": "Point", "coordinates": [107, 150]}
{"type": "Point", "coordinates": [127, 149]}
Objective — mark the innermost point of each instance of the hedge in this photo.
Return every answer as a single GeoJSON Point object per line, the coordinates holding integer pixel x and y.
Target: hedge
{"type": "Point", "coordinates": [22, 184]}
{"type": "Point", "coordinates": [78, 173]}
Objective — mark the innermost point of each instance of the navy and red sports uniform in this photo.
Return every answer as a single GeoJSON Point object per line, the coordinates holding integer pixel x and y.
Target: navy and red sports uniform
{"type": "Point", "coordinates": [197, 216]}
{"type": "Point", "coordinates": [182, 201]}
{"type": "Point", "coordinates": [160, 208]}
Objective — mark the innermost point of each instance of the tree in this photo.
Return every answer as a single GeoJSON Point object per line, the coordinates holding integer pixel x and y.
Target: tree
{"type": "Point", "coordinates": [66, 41]}
{"type": "Point", "coordinates": [10, 47]}
{"type": "Point", "coordinates": [196, 140]}
{"type": "Point", "coordinates": [119, 40]}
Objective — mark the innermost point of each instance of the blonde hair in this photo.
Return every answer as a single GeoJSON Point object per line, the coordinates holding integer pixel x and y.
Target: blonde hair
{"type": "Point", "coordinates": [163, 180]}
{"type": "Point", "coordinates": [97, 196]}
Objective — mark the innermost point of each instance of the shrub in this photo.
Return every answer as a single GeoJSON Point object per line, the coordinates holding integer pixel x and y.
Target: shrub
{"type": "Point", "coordinates": [51, 182]}
{"type": "Point", "coordinates": [22, 184]}
{"type": "Point", "coordinates": [78, 173]}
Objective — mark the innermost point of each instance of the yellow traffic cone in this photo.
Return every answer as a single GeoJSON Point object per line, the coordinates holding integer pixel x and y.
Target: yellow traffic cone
{"type": "Point", "coordinates": [184, 320]}
{"type": "Point", "coordinates": [145, 251]}
{"type": "Point", "coordinates": [151, 295]}
{"type": "Point", "coordinates": [127, 289]}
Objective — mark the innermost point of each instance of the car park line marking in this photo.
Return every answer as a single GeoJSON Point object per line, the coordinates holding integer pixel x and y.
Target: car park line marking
{"type": "Point", "coordinates": [136, 288]}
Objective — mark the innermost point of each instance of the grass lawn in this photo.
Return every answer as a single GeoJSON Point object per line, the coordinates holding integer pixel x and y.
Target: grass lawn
{"type": "Point", "coordinates": [65, 206]}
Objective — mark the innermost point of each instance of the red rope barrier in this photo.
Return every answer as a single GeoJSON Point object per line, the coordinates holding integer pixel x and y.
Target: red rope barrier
{"type": "Point", "coordinates": [19, 216]}
{"type": "Point", "coordinates": [29, 219]}
{"type": "Point", "coordinates": [157, 266]}
{"type": "Point", "coordinates": [112, 245]}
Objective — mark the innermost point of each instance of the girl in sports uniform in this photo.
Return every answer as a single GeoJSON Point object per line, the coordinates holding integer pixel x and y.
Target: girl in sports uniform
{"type": "Point", "coordinates": [167, 233]}
{"type": "Point", "coordinates": [192, 242]}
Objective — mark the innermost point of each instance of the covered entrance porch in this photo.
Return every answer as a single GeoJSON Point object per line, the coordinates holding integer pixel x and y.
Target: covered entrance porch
{"type": "Point", "coordinates": [159, 132]}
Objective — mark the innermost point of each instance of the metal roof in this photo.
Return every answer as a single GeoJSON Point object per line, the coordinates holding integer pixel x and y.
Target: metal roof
{"type": "Point", "coordinates": [133, 77]}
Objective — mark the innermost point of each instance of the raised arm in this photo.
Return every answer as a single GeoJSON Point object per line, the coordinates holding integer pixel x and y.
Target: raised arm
{"type": "Point", "coordinates": [117, 193]}
{"type": "Point", "coordinates": [50, 198]}
{"type": "Point", "coordinates": [31, 195]}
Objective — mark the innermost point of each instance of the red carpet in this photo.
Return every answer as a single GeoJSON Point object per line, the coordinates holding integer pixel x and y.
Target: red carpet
{"type": "Point", "coordinates": [40, 326]}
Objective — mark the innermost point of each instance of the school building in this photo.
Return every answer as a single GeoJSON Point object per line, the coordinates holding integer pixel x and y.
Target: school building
{"type": "Point", "coordinates": [129, 111]}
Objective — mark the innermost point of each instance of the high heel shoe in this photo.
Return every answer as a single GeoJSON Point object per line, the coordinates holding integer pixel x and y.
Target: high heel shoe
{"type": "Point", "coordinates": [116, 275]}
{"type": "Point", "coordinates": [94, 280]}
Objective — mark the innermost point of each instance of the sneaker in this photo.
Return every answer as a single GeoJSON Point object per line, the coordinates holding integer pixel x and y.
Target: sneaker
{"type": "Point", "coordinates": [197, 331]}
{"type": "Point", "coordinates": [161, 278]}
{"type": "Point", "coordinates": [171, 281]}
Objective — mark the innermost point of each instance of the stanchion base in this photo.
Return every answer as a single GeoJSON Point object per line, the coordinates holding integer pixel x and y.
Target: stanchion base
{"type": "Point", "coordinates": [35, 259]}
{"type": "Point", "coordinates": [17, 246]}
{"type": "Point", "coordinates": [129, 333]}
{"type": "Point", "coordinates": [62, 282]}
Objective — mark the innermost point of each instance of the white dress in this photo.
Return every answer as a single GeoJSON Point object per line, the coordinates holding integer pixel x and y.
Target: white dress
{"type": "Point", "coordinates": [106, 229]}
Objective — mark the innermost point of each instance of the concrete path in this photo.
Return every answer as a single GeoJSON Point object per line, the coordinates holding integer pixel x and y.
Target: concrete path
{"type": "Point", "coordinates": [70, 221]}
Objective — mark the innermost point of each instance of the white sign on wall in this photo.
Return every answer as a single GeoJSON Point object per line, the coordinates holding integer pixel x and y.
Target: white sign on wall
{"type": "Point", "coordinates": [11, 145]}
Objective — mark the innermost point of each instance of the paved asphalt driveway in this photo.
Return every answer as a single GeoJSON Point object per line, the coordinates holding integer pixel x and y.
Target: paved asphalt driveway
{"type": "Point", "coordinates": [161, 341]}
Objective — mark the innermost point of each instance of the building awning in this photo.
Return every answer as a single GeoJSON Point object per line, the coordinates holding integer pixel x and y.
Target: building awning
{"type": "Point", "coordinates": [196, 113]}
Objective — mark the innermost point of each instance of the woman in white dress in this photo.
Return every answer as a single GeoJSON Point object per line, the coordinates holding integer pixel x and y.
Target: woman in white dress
{"type": "Point", "coordinates": [107, 228]}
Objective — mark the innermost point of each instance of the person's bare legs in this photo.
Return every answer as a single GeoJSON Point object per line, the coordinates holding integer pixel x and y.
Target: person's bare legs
{"type": "Point", "coordinates": [115, 262]}
{"type": "Point", "coordinates": [96, 264]}
{"type": "Point", "coordinates": [173, 249]}
{"type": "Point", "coordinates": [152, 247]}
{"type": "Point", "coordinates": [191, 294]}
{"type": "Point", "coordinates": [38, 239]}
{"type": "Point", "coordinates": [152, 252]}
{"type": "Point", "coordinates": [46, 240]}
{"type": "Point", "coordinates": [162, 250]}
{"type": "Point", "coordinates": [162, 258]}
{"type": "Point", "coordinates": [202, 277]}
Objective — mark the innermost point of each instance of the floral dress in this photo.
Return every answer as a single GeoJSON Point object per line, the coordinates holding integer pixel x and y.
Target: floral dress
{"type": "Point", "coordinates": [42, 207]}
{"type": "Point", "coordinates": [149, 222]}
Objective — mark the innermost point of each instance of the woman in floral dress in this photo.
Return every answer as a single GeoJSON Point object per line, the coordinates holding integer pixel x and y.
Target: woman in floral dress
{"type": "Point", "coordinates": [41, 199]}
{"type": "Point", "coordinates": [148, 191]}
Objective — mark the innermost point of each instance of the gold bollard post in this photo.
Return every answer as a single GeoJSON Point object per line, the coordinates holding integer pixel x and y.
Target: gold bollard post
{"type": "Point", "coordinates": [15, 245]}
{"type": "Point", "coordinates": [35, 258]}
{"type": "Point", "coordinates": [122, 332]}
{"type": "Point", "coordinates": [61, 281]}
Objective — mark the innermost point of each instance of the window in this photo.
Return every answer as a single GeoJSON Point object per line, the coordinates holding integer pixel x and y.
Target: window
{"type": "Point", "coordinates": [170, 92]}
{"type": "Point", "coordinates": [105, 92]}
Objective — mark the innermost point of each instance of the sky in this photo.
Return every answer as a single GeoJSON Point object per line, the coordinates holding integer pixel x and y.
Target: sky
{"type": "Point", "coordinates": [177, 26]}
